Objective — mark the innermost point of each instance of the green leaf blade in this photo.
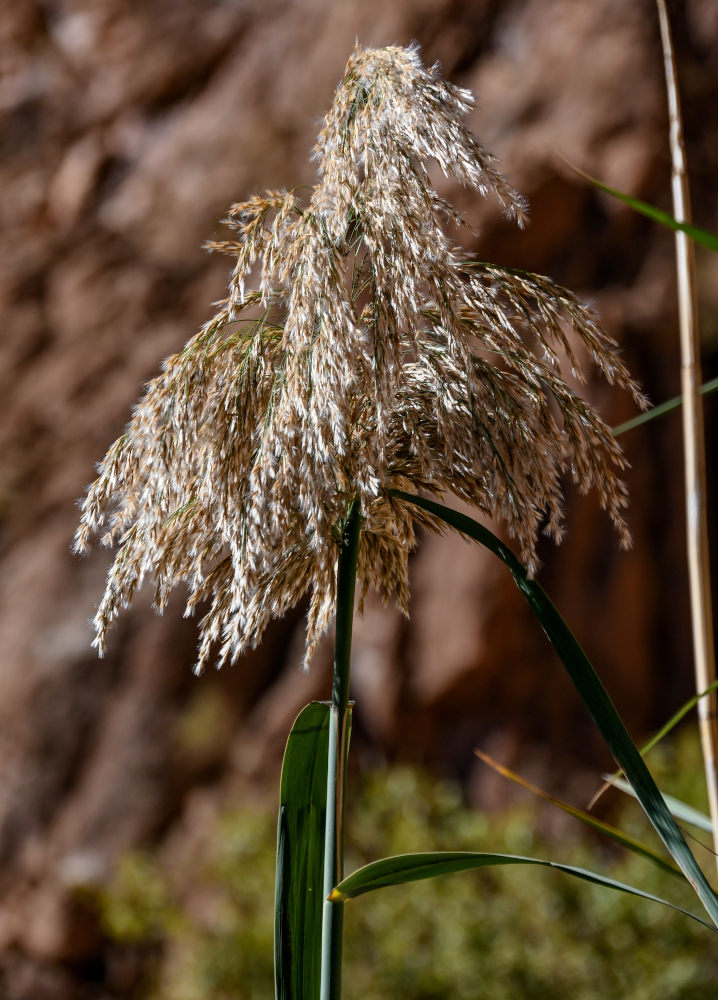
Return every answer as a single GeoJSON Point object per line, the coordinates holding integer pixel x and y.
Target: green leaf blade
{"type": "Point", "coordinates": [407, 868]}
{"type": "Point", "coordinates": [592, 693]}
{"type": "Point", "coordinates": [661, 410]}
{"type": "Point", "coordinates": [681, 810]}
{"type": "Point", "coordinates": [701, 236]}
{"type": "Point", "coordinates": [300, 854]}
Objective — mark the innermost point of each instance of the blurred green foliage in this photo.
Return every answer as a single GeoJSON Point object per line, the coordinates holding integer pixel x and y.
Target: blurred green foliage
{"type": "Point", "coordinates": [496, 935]}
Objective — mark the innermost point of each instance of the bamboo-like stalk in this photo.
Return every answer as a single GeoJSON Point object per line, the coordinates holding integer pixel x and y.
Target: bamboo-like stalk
{"type": "Point", "coordinates": [693, 435]}
{"type": "Point", "coordinates": [333, 913]}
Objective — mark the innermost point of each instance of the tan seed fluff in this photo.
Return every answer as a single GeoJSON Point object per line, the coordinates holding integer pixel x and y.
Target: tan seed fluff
{"type": "Point", "coordinates": [358, 350]}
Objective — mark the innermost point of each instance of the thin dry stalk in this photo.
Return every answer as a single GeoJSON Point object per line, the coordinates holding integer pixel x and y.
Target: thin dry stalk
{"type": "Point", "coordinates": [693, 435]}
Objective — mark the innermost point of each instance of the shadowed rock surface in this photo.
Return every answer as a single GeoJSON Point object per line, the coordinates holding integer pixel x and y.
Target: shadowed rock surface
{"type": "Point", "coordinates": [126, 131]}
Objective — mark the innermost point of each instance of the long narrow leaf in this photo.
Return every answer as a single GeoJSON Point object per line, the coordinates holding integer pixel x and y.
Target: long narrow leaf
{"type": "Point", "coordinates": [681, 810]}
{"type": "Point", "coordinates": [656, 738]}
{"type": "Point", "coordinates": [661, 410]}
{"type": "Point", "coordinates": [416, 867]}
{"type": "Point", "coordinates": [592, 693]}
{"type": "Point", "coordinates": [300, 853]}
{"type": "Point", "coordinates": [596, 824]}
{"type": "Point", "coordinates": [677, 716]}
{"type": "Point", "coordinates": [702, 236]}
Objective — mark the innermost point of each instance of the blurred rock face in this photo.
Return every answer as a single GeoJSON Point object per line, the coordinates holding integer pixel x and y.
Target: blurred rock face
{"type": "Point", "coordinates": [127, 130]}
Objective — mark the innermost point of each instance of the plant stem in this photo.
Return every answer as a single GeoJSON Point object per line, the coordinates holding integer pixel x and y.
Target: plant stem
{"type": "Point", "coordinates": [333, 913]}
{"type": "Point", "coordinates": [693, 436]}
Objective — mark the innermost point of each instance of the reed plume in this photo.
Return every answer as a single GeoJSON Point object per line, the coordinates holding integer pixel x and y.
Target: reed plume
{"type": "Point", "coordinates": [357, 351]}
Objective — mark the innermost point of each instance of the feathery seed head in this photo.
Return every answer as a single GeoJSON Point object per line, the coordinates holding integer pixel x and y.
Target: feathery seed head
{"type": "Point", "coordinates": [371, 355]}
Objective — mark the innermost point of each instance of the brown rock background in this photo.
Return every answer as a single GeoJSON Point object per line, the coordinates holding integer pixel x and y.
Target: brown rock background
{"type": "Point", "coordinates": [126, 130]}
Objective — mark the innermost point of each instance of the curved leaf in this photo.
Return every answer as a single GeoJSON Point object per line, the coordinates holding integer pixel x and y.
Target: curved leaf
{"type": "Point", "coordinates": [592, 693]}
{"type": "Point", "coordinates": [702, 236]}
{"type": "Point", "coordinates": [416, 867]}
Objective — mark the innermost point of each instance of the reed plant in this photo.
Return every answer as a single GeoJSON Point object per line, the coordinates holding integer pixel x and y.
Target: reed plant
{"type": "Point", "coordinates": [361, 368]}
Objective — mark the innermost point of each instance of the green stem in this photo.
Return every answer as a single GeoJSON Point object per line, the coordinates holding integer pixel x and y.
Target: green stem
{"type": "Point", "coordinates": [333, 913]}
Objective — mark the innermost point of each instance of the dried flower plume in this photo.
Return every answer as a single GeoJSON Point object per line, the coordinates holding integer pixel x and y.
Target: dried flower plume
{"type": "Point", "coordinates": [370, 354]}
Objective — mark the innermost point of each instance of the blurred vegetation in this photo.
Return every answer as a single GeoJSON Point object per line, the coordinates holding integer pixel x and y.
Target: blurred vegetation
{"type": "Point", "coordinates": [497, 935]}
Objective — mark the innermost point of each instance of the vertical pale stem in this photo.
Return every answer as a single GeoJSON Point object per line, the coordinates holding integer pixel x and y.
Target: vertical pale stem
{"type": "Point", "coordinates": [333, 913]}
{"type": "Point", "coordinates": [693, 436]}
